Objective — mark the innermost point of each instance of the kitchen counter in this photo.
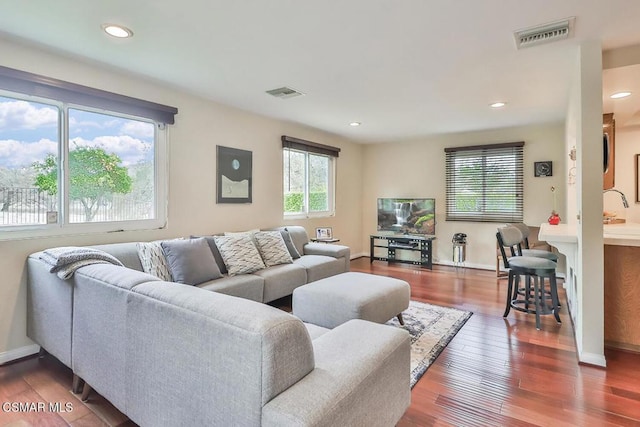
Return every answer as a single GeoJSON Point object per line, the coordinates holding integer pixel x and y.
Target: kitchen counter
{"type": "Point", "coordinates": [621, 278]}
{"type": "Point", "coordinates": [627, 234]}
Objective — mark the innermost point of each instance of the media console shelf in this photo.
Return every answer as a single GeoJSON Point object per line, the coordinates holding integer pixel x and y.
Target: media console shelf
{"type": "Point", "coordinates": [404, 248]}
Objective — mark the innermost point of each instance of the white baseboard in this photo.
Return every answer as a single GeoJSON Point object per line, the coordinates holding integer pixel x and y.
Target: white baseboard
{"type": "Point", "coordinates": [17, 353]}
{"type": "Point", "coordinates": [592, 359]}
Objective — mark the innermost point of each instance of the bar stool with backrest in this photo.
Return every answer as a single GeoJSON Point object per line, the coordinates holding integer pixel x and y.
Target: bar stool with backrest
{"type": "Point", "coordinates": [535, 270]}
{"type": "Point", "coordinates": [526, 251]}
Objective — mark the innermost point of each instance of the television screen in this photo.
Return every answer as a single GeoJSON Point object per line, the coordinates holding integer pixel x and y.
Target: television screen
{"type": "Point", "coordinates": [407, 216]}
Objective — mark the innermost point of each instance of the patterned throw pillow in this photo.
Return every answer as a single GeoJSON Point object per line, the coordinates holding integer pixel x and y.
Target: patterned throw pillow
{"type": "Point", "coordinates": [272, 248]}
{"type": "Point", "coordinates": [153, 260]}
{"type": "Point", "coordinates": [239, 254]}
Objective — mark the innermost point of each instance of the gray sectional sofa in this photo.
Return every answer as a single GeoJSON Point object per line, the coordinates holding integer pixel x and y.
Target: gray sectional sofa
{"type": "Point", "coordinates": [170, 354]}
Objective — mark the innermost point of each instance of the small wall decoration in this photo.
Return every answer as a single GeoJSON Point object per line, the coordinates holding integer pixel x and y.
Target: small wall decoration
{"type": "Point", "coordinates": [234, 175]}
{"type": "Point", "coordinates": [324, 233]}
{"type": "Point", "coordinates": [543, 168]}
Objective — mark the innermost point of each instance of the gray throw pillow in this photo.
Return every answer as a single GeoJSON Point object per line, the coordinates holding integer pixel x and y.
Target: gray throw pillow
{"type": "Point", "coordinates": [290, 246]}
{"type": "Point", "coordinates": [191, 261]}
{"type": "Point", "coordinates": [216, 253]}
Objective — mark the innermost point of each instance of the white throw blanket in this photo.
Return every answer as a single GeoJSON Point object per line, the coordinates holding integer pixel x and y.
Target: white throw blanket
{"type": "Point", "coordinates": [67, 259]}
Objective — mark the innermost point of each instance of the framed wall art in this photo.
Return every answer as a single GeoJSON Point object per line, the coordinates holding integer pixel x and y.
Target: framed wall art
{"type": "Point", "coordinates": [234, 175]}
{"type": "Point", "coordinates": [543, 168]}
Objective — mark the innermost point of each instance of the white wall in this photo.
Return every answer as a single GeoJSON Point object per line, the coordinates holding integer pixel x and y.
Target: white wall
{"type": "Point", "coordinates": [584, 127]}
{"type": "Point", "coordinates": [627, 145]}
{"type": "Point", "coordinates": [417, 169]}
{"type": "Point", "coordinates": [200, 126]}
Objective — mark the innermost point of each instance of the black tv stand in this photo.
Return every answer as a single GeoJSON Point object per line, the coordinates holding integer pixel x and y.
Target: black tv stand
{"type": "Point", "coordinates": [403, 248]}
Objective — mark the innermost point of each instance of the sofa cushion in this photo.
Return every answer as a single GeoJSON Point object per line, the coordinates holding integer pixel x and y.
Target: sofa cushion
{"type": "Point", "coordinates": [299, 237]}
{"type": "Point", "coordinates": [272, 248]}
{"type": "Point", "coordinates": [320, 266]}
{"type": "Point", "coordinates": [239, 253]}
{"type": "Point", "coordinates": [153, 260]}
{"type": "Point", "coordinates": [290, 246]}
{"type": "Point", "coordinates": [191, 261]}
{"type": "Point", "coordinates": [247, 286]}
{"type": "Point", "coordinates": [281, 280]}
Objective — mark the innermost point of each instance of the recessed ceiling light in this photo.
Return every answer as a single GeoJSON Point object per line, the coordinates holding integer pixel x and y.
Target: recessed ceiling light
{"type": "Point", "coordinates": [497, 104]}
{"type": "Point", "coordinates": [619, 95]}
{"type": "Point", "coordinates": [354, 124]}
{"type": "Point", "coordinates": [117, 31]}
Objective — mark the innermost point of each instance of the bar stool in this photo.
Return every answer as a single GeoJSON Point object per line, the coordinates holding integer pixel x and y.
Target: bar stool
{"type": "Point", "coordinates": [536, 270]}
{"type": "Point", "coordinates": [540, 253]}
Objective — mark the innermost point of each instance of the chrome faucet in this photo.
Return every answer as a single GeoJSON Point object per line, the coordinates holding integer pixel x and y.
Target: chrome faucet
{"type": "Point", "coordinates": [624, 198]}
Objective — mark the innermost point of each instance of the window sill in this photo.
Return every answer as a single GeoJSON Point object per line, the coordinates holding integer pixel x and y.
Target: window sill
{"type": "Point", "coordinates": [55, 230]}
{"type": "Point", "coordinates": [309, 215]}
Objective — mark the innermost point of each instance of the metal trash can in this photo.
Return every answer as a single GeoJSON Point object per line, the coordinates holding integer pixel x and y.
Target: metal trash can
{"type": "Point", "coordinates": [459, 241]}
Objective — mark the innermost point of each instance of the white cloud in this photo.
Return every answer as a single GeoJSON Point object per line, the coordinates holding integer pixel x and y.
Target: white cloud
{"type": "Point", "coordinates": [17, 154]}
{"type": "Point", "coordinates": [138, 129]}
{"type": "Point", "coordinates": [26, 115]}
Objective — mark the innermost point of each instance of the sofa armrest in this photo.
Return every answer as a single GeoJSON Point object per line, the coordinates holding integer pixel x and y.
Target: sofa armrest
{"type": "Point", "coordinates": [361, 377]}
{"type": "Point", "coordinates": [336, 251]}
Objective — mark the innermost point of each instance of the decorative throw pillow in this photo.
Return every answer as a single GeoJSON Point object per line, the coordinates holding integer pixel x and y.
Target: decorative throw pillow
{"type": "Point", "coordinates": [153, 260]}
{"type": "Point", "coordinates": [237, 233]}
{"type": "Point", "coordinates": [239, 254]}
{"type": "Point", "coordinates": [272, 248]}
{"type": "Point", "coordinates": [216, 253]}
{"type": "Point", "coordinates": [290, 246]}
{"type": "Point", "coordinates": [191, 261]}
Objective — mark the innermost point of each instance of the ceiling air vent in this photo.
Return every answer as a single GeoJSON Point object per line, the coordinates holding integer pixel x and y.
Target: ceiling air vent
{"type": "Point", "coordinates": [546, 33]}
{"type": "Point", "coordinates": [284, 92]}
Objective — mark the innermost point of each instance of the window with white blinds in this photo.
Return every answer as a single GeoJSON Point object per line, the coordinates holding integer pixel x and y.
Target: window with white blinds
{"type": "Point", "coordinates": [485, 183]}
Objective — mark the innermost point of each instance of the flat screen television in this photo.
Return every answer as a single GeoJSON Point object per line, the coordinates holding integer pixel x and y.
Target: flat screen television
{"type": "Point", "coordinates": [407, 216]}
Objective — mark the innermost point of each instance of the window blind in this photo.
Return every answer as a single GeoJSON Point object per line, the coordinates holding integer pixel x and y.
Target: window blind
{"type": "Point", "coordinates": [59, 90]}
{"type": "Point", "coordinates": [308, 146]}
{"type": "Point", "coordinates": [485, 183]}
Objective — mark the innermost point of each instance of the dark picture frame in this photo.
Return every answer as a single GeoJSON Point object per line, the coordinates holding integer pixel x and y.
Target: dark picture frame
{"type": "Point", "coordinates": [543, 168]}
{"type": "Point", "coordinates": [234, 175]}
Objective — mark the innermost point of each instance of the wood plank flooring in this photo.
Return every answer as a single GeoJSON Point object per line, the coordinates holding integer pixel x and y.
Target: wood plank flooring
{"type": "Point", "coordinates": [504, 372]}
{"type": "Point", "coordinates": [495, 372]}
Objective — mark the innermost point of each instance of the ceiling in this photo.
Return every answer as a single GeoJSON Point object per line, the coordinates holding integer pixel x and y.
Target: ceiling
{"type": "Point", "coordinates": [404, 69]}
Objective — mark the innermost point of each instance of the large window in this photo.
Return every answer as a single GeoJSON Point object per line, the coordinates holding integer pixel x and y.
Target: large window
{"type": "Point", "coordinates": [309, 178]}
{"type": "Point", "coordinates": [65, 166]}
{"type": "Point", "coordinates": [485, 183]}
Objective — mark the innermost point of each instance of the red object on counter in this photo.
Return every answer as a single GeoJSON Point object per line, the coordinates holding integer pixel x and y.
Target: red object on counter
{"type": "Point", "coordinates": [554, 219]}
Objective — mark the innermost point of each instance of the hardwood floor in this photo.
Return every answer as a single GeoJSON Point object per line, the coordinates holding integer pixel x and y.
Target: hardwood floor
{"type": "Point", "coordinates": [504, 372]}
{"type": "Point", "coordinates": [495, 371]}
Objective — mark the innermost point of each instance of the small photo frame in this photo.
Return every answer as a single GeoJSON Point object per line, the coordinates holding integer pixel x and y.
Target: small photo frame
{"type": "Point", "coordinates": [324, 233]}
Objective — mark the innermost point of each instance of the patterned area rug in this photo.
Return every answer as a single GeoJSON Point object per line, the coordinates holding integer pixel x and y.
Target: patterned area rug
{"type": "Point", "coordinates": [431, 328]}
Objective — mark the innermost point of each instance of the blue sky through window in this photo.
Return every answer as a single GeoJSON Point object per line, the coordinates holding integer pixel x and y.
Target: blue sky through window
{"type": "Point", "coordinates": [29, 132]}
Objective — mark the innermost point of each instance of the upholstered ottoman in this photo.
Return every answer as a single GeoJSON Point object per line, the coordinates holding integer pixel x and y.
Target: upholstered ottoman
{"type": "Point", "coordinates": [333, 301]}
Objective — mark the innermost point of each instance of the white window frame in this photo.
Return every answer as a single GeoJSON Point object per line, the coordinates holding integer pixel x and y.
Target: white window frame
{"type": "Point", "coordinates": [63, 226]}
{"type": "Point", "coordinates": [331, 184]}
